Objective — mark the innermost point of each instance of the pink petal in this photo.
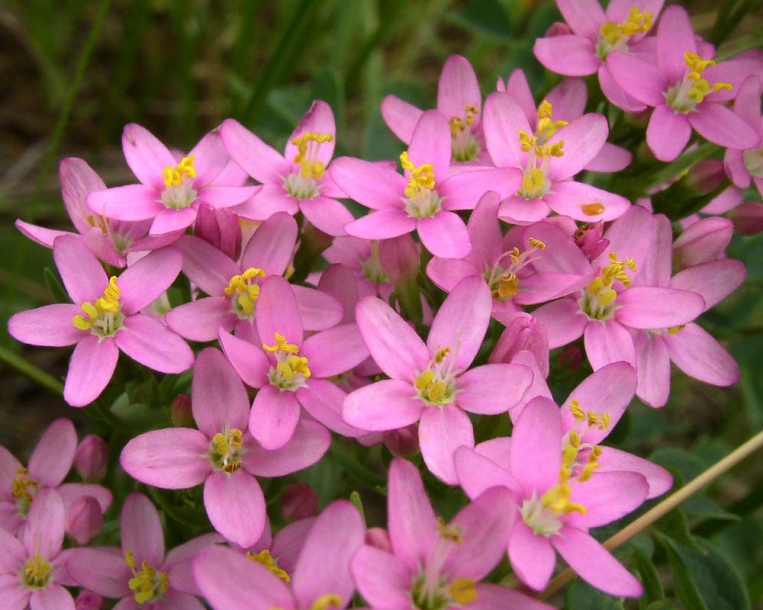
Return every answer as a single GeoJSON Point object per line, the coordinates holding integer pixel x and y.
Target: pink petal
{"type": "Point", "coordinates": [174, 458]}
{"type": "Point", "coordinates": [41, 235]}
{"type": "Point", "coordinates": [141, 530]}
{"type": "Point", "coordinates": [319, 118]}
{"type": "Point", "coordinates": [492, 388]}
{"type": "Point", "coordinates": [594, 564]}
{"type": "Point", "coordinates": [463, 191]}
{"type": "Point", "coordinates": [370, 184]}
{"type": "Point", "coordinates": [270, 199]}
{"type": "Point", "coordinates": [653, 367]}
{"type": "Point", "coordinates": [146, 155]}
{"type": "Point", "coordinates": [201, 320]}
{"type": "Point", "coordinates": [219, 397]}
{"type": "Point", "coordinates": [334, 351]}
{"type": "Point", "coordinates": [78, 179]}
{"type": "Point", "coordinates": [180, 569]}
{"type": "Point", "coordinates": [503, 119]}
{"type": "Point", "coordinates": [90, 369]}
{"type": "Point", "coordinates": [274, 417]}
{"type": "Point", "coordinates": [148, 279]}
{"type": "Point", "coordinates": [583, 16]}
{"type": "Point", "coordinates": [714, 280]}
{"type": "Point", "coordinates": [616, 94]}
{"type": "Point", "coordinates": [699, 355]}
{"type": "Point", "coordinates": [99, 571]}
{"type": "Point", "coordinates": [81, 272]}
{"type": "Point", "coordinates": [317, 309]}
{"type": "Point", "coordinates": [400, 116]}
{"type": "Point", "coordinates": [639, 78]}
{"type": "Point", "coordinates": [607, 496]}
{"type": "Point", "coordinates": [608, 342]}
{"type": "Point", "coordinates": [327, 214]}
{"type": "Point", "coordinates": [227, 196]}
{"type": "Point", "coordinates": [149, 342]}
{"type": "Point", "coordinates": [49, 325]}
{"type": "Point", "coordinates": [675, 36]}
{"type": "Point", "coordinates": [583, 140]}
{"type": "Point", "coordinates": [668, 133]}
{"type": "Point", "coordinates": [431, 143]}
{"type": "Point", "coordinates": [382, 224]}
{"type": "Point", "coordinates": [52, 597]}
{"type": "Point", "coordinates": [532, 556]}
{"type": "Point", "coordinates": [393, 344]}
{"type": "Point", "coordinates": [277, 312]}
{"type": "Point", "coordinates": [569, 54]}
{"type": "Point", "coordinates": [170, 221]}
{"type": "Point", "coordinates": [206, 266]}
{"type": "Point", "coordinates": [442, 430]}
{"type": "Point", "coordinates": [44, 530]}
{"type": "Point", "coordinates": [272, 245]}
{"type": "Point", "coordinates": [323, 400]}
{"type": "Point", "coordinates": [132, 202]}
{"type": "Point", "coordinates": [519, 210]}
{"type": "Point", "coordinates": [648, 307]}
{"type": "Point", "coordinates": [389, 404]}
{"type": "Point", "coordinates": [210, 157]}
{"type": "Point", "coordinates": [536, 454]}
{"type": "Point", "coordinates": [52, 458]}
{"type": "Point", "coordinates": [615, 460]}
{"type": "Point", "coordinates": [250, 362]}
{"type": "Point", "coordinates": [519, 90]}
{"type": "Point", "coordinates": [254, 156]}
{"type": "Point", "coordinates": [308, 444]}
{"type": "Point", "coordinates": [457, 87]}
{"type": "Point", "coordinates": [235, 506]}
{"type": "Point", "coordinates": [563, 320]}
{"type": "Point", "coordinates": [570, 198]}
{"type": "Point", "coordinates": [445, 235]}
{"type": "Point", "coordinates": [477, 473]}
{"type": "Point", "coordinates": [324, 564]}
{"type": "Point", "coordinates": [611, 158]}
{"type": "Point", "coordinates": [383, 580]}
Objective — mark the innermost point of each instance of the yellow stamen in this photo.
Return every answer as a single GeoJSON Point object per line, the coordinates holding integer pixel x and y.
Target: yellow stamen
{"type": "Point", "coordinates": [281, 344]}
{"type": "Point", "coordinates": [266, 559]}
{"type": "Point", "coordinates": [422, 177]}
{"type": "Point", "coordinates": [174, 175]}
{"type": "Point", "coordinates": [36, 572]}
{"type": "Point", "coordinates": [107, 306]}
{"type": "Point", "coordinates": [450, 532]}
{"type": "Point", "coordinates": [536, 243]}
{"type": "Point", "coordinates": [24, 487]}
{"type": "Point", "coordinates": [324, 601]}
{"type": "Point", "coordinates": [463, 591]}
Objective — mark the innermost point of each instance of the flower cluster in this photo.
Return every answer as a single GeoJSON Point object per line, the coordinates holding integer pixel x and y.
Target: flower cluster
{"type": "Point", "coordinates": [490, 245]}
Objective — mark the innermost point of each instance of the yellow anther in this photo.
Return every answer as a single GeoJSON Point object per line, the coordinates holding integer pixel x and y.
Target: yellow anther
{"type": "Point", "coordinates": [695, 63]}
{"type": "Point", "coordinates": [324, 601]}
{"type": "Point", "coordinates": [463, 591]}
{"type": "Point", "coordinates": [605, 417]}
{"type": "Point", "coordinates": [569, 455]}
{"type": "Point", "coordinates": [174, 175]}
{"type": "Point", "coordinates": [105, 308]}
{"type": "Point", "coordinates": [220, 445]}
{"type": "Point", "coordinates": [308, 166]}
{"type": "Point", "coordinates": [508, 286]}
{"type": "Point", "coordinates": [266, 559]}
{"type": "Point", "coordinates": [545, 110]}
{"type": "Point", "coordinates": [440, 354]}
{"type": "Point", "coordinates": [109, 302]}
{"type": "Point", "coordinates": [575, 409]}
{"type": "Point", "coordinates": [450, 532]}
{"type": "Point", "coordinates": [456, 125]}
{"type": "Point", "coordinates": [24, 487]}
{"type": "Point", "coordinates": [148, 584]}
{"type": "Point", "coordinates": [574, 439]}
{"type": "Point", "coordinates": [36, 572]}
{"type": "Point", "coordinates": [673, 330]}
{"type": "Point", "coordinates": [721, 85]}
{"type": "Point", "coordinates": [130, 559]}
{"type": "Point", "coordinates": [526, 142]}
{"type": "Point", "coordinates": [550, 150]}
{"type": "Point", "coordinates": [536, 243]}
{"type": "Point", "coordinates": [422, 177]}
{"type": "Point", "coordinates": [593, 418]}
{"type": "Point", "coordinates": [470, 112]}
{"type": "Point", "coordinates": [636, 23]}
{"type": "Point", "coordinates": [281, 344]}
{"type": "Point", "coordinates": [592, 209]}
{"type": "Point", "coordinates": [533, 180]}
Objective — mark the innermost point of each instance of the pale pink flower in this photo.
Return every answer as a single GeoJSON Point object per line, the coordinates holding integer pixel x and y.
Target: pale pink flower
{"type": "Point", "coordinates": [105, 318]}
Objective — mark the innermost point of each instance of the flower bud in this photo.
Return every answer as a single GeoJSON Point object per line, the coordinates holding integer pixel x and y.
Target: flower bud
{"type": "Point", "coordinates": [523, 332]}
{"type": "Point", "coordinates": [589, 239]}
{"type": "Point", "coordinates": [399, 258]}
{"type": "Point", "coordinates": [299, 501]}
{"type": "Point", "coordinates": [558, 28]}
{"type": "Point", "coordinates": [91, 458]}
{"type": "Point", "coordinates": [219, 227]}
{"type": "Point", "coordinates": [87, 600]}
{"type": "Point", "coordinates": [404, 441]}
{"type": "Point", "coordinates": [702, 242]}
{"type": "Point", "coordinates": [180, 411]}
{"type": "Point", "coordinates": [748, 218]}
{"type": "Point", "coordinates": [570, 358]}
{"type": "Point", "coordinates": [378, 537]}
{"type": "Point", "coordinates": [84, 519]}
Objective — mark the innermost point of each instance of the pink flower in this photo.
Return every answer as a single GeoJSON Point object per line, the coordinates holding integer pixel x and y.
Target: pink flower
{"type": "Point", "coordinates": [320, 580]}
{"type": "Point", "coordinates": [49, 465]}
{"type": "Point", "coordinates": [140, 574]}
{"type": "Point", "coordinates": [221, 454]}
{"type": "Point", "coordinates": [170, 191]}
{"type": "Point", "coordinates": [430, 382]}
{"type": "Point", "coordinates": [746, 166]}
{"type": "Point", "coordinates": [296, 180]}
{"type": "Point", "coordinates": [105, 318]}
{"type": "Point", "coordinates": [558, 501]}
{"type": "Point", "coordinates": [434, 564]}
{"type": "Point", "coordinates": [686, 89]}
{"type": "Point", "coordinates": [32, 570]}
{"type": "Point", "coordinates": [427, 197]}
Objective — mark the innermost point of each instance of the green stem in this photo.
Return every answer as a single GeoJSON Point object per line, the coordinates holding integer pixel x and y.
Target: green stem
{"type": "Point", "coordinates": [29, 370]}
{"type": "Point", "coordinates": [664, 507]}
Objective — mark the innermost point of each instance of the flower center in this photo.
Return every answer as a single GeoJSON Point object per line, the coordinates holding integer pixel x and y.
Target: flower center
{"type": "Point", "coordinates": [36, 573]}
{"type": "Point", "coordinates": [684, 96]}
{"type": "Point", "coordinates": [535, 184]}
{"type": "Point", "coordinates": [266, 559]}
{"type": "Point", "coordinates": [753, 161]}
{"type": "Point", "coordinates": [147, 584]}
{"type": "Point", "coordinates": [243, 291]}
{"type": "Point", "coordinates": [436, 385]}
{"type": "Point", "coordinates": [302, 184]}
{"type": "Point", "coordinates": [504, 279]}
{"type": "Point", "coordinates": [421, 198]}
{"type": "Point", "coordinates": [178, 190]}
{"type": "Point", "coordinates": [291, 371]}
{"type": "Point", "coordinates": [103, 318]}
{"type": "Point", "coordinates": [226, 449]}
{"type": "Point", "coordinates": [24, 488]}
{"type": "Point", "coordinates": [371, 268]}
{"type": "Point", "coordinates": [615, 36]}
{"type": "Point", "coordinates": [464, 146]}
{"type": "Point", "coordinates": [598, 298]}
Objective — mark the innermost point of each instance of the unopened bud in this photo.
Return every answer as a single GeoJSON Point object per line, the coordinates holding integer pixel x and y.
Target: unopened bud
{"type": "Point", "coordinates": [87, 600]}
{"type": "Point", "coordinates": [559, 28]}
{"type": "Point", "coordinates": [589, 239]}
{"type": "Point", "coordinates": [748, 218]}
{"type": "Point", "coordinates": [702, 242]}
{"type": "Point", "coordinates": [378, 538]}
{"type": "Point", "coordinates": [84, 519]}
{"type": "Point", "coordinates": [299, 501]}
{"type": "Point", "coordinates": [523, 332]}
{"type": "Point", "coordinates": [404, 441]}
{"type": "Point", "coordinates": [219, 227]}
{"type": "Point", "coordinates": [399, 258]}
{"type": "Point", "coordinates": [180, 411]}
{"type": "Point", "coordinates": [91, 458]}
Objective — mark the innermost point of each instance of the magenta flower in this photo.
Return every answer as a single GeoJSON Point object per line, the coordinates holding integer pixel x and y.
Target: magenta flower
{"type": "Point", "coordinates": [686, 89]}
{"type": "Point", "coordinates": [296, 180]}
{"type": "Point", "coordinates": [558, 502]}
{"type": "Point", "coordinates": [32, 570]}
{"type": "Point", "coordinates": [430, 382]}
{"type": "Point", "coordinates": [433, 564]}
{"type": "Point", "coordinates": [233, 287]}
{"type": "Point", "coordinates": [290, 370]}
{"type": "Point", "coordinates": [321, 578]}
{"type": "Point", "coordinates": [460, 102]}
{"type": "Point", "coordinates": [170, 191]}
{"type": "Point", "coordinates": [426, 197]}
{"type": "Point", "coordinates": [139, 574]}
{"type": "Point", "coordinates": [105, 318]}
{"type": "Point", "coordinates": [548, 157]}
{"type": "Point", "coordinates": [746, 166]}
{"type": "Point", "coordinates": [221, 454]}
{"type": "Point", "coordinates": [595, 33]}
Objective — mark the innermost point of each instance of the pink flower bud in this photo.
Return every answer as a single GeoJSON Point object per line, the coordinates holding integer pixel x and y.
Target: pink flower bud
{"type": "Point", "coordinates": [404, 441]}
{"type": "Point", "coordinates": [379, 538]}
{"type": "Point", "coordinates": [180, 411]}
{"type": "Point", "coordinates": [589, 239]}
{"type": "Point", "coordinates": [87, 600]}
{"type": "Point", "coordinates": [706, 176]}
{"type": "Point", "coordinates": [748, 218]}
{"type": "Point", "coordinates": [702, 242]}
{"type": "Point", "coordinates": [399, 258]}
{"type": "Point", "coordinates": [570, 358]}
{"type": "Point", "coordinates": [522, 333]}
{"type": "Point", "coordinates": [299, 501]}
{"type": "Point", "coordinates": [559, 28]}
{"type": "Point", "coordinates": [91, 458]}
{"type": "Point", "coordinates": [84, 519]}
{"type": "Point", "coordinates": [219, 227]}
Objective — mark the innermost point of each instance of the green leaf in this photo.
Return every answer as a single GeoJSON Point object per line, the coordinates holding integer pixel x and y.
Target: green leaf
{"type": "Point", "coordinates": [487, 17]}
{"type": "Point", "coordinates": [649, 577]}
{"type": "Point", "coordinates": [57, 291]}
{"type": "Point", "coordinates": [357, 502]}
{"type": "Point", "coordinates": [675, 526]}
{"type": "Point", "coordinates": [683, 580]}
{"type": "Point", "coordinates": [663, 604]}
{"type": "Point", "coordinates": [582, 596]}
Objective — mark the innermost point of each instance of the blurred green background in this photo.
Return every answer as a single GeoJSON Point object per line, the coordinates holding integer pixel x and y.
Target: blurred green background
{"type": "Point", "coordinates": [73, 73]}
